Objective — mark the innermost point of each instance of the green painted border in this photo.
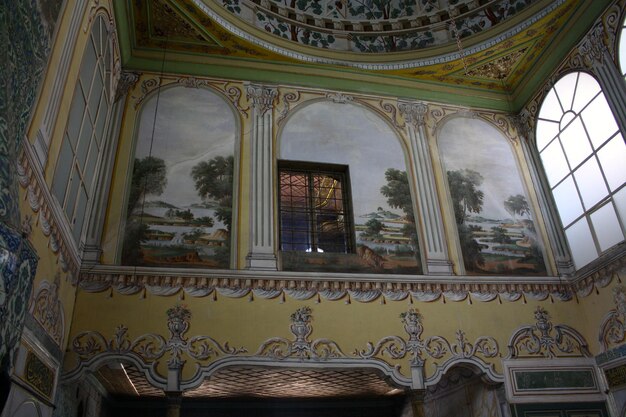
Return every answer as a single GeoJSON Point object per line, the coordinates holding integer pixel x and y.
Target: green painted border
{"type": "Point", "coordinates": [559, 409]}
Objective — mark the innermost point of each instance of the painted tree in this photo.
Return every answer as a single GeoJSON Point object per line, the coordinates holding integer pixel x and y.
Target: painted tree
{"type": "Point", "coordinates": [149, 178]}
{"type": "Point", "coordinates": [466, 197]}
{"type": "Point", "coordinates": [293, 32]}
{"type": "Point", "coordinates": [398, 195]}
{"type": "Point", "coordinates": [214, 181]}
{"type": "Point", "coordinates": [374, 227]}
{"type": "Point", "coordinates": [517, 205]}
{"type": "Point", "coordinates": [381, 9]}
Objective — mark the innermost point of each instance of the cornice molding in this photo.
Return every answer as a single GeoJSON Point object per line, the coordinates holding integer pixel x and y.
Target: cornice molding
{"type": "Point", "coordinates": [51, 218]}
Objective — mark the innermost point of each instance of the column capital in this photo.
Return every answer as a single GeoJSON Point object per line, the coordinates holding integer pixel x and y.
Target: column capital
{"type": "Point", "coordinates": [413, 112]}
{"type": "Point", "coordinates": [127, 80]}
{"type": "Point", "coordinates": [262, 97]}
{"type": "Point", "coordinates": [522, 122]}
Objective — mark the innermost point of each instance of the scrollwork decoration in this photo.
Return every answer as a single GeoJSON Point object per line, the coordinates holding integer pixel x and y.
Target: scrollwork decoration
{"type": "Point", "coordinates": [547, 340]}
{"type": "Point", "coordinates": [301, 346]}
{"type": "Point", "coordinates": [287, 99]}
{"type": "Point", "coordinates": [151, 347]}
{"type": "Point", "coordinates": [613, 328]}
{"type": "Point", "coordinates": [435, 347]}
{"type": "Point", "coordinates": [393, 111]}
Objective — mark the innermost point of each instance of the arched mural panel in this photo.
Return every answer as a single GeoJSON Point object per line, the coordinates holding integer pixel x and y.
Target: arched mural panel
{"type": "Point", "coordinates": [494, 218]}
{"type": "Point", "coordinates": [382, 209]}
{"type": "Point", "coordinates": [180, 197]}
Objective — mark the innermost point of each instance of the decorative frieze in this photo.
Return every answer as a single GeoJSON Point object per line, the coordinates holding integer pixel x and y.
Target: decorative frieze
{"type": "Point", "coordinates": [301, 347]}
{"type": "Point", "coordinates": [544, 339]}
{"type": "Point", "coordinates": [435, 347]}
{"type": "Point", "coordinates": [92, 349]}
{"type": "Point", "coordinates": [330, 287]}
{"type": "Point", "coordinates": [151, 347]}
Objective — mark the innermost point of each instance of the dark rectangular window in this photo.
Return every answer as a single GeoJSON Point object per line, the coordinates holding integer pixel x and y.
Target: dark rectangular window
{"type": "Point", "coordinates": [314, 208]}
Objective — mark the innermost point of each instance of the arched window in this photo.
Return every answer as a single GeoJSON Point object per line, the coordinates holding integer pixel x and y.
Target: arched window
{"type": "Point", "coordinates": [583, 156]}
{"type": "Point", "coordinates": [86, 129]}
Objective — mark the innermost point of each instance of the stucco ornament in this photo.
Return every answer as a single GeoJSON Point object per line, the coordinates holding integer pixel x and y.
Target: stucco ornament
{"type": "Point", "coordinates": [301, 347]}
{"type": "Point", "coordinates": [151, 347]}
{"type": "Point", "coordinates": [436, 347]}
{"type": "Point", "coordinates": [547, 340]}
{"type": "Point", "coordinates": [613, 328]}
{"type": "Point", "coordinates": [47, 309]}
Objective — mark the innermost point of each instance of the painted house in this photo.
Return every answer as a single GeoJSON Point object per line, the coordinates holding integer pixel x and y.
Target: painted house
{"type": "Point", "coordinates": [313, 208]}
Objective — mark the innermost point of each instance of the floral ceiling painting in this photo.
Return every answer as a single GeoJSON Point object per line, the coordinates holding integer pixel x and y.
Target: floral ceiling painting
{"type": "Point", "coordinates": [384, 224]}
{"type": "Point", "coordinates": [493, 215]}
{"type": "Point", "coordinates": [180, 195]}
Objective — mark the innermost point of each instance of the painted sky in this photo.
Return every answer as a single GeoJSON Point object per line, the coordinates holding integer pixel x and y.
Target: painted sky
{"type": "Point", "coordinates": [192, 125]}
{"type": "Point", "coordinates": [350, 135]}
{"type": "Point", "coordinates": [474, 144]}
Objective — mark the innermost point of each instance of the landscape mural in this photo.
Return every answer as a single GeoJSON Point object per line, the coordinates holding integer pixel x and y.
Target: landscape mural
{"type": "Point", "coordinates": [493, 216]}
{"type": "Point", "coordinates": [385, 232]}
{"type": "Point", "coordinates": [181, 192]}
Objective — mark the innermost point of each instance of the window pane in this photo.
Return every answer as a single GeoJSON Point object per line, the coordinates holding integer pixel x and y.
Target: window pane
{"type": "Point", "coordinates": [565, 89]}
{"type": "Point", "coordinates": [567, 201]}
{"type": "Point", "coordinates": [590, 183]}
{"type": "Point", "coordinates": [575, 143]}
{"type": "Point", "coordinates": [599, 120]}
{"type": "Point", "coordinates": [554, 163]}
{"type": "Point", "coordinates": [84, 142]}
{"type": "Point", "coordinates": [62, 171]}
{"type": "Point", "coordinates": [77, 110]}
{"type": "Point", "coordinates": [72, 193]}
{"type": "Point", "coordinates": [79, 216]}
{"type": "Point", "coordinates": [587, 89]}
{"type": "Point", "coordinates": [88, 65]}
{"type": "Point", "coordinates": [613, 159]}
{"type": "Point", "coordinates": [607, 227]}
{"type": "Point", "coordinates": [581, 243]}
{"type": "Point", "coordinates": [94, 98]}
{"type": "Point", "coordinates": [101, 121]}
{"type": "Point", "coordinates": [90, 168]}
{"type": "Point", "coordinates": [551, 109]}
{"type": "Point", "coordinates": [546, 131]}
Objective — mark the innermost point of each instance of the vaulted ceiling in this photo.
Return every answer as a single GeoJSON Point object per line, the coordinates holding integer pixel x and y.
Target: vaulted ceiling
{"type": "Point", "coordinates": [483, 53]}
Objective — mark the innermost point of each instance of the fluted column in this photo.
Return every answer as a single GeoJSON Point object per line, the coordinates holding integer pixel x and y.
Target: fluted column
{"type": "Point", "coordinates": [549, 213]}
{"type": "Point", "coordinates": [429, 218]}
{"type": "Point", "coordinates": [262, 253]}
{"type": "Point", "coordinates": [598, 59]}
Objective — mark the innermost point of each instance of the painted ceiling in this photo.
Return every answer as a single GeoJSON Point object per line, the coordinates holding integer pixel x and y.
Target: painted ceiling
{"type": "Point", "coordinates": [484, 53]}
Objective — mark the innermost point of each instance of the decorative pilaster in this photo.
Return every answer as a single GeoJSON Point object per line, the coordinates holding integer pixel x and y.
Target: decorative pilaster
{"type": "Point", "coordinates": [549, 213]}
{"type": "Point", "coordinates": [596, 56]}
{"type": "Point", "coordinates": [430, 219]}
{"type": "Point", "coordinates": [262, 253]}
